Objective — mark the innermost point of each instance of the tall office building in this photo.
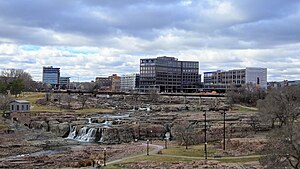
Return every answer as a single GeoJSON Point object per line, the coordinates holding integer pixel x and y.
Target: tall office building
{"type": "Point", "coordinates": [130, 82]}
{"type": "Point", "coordinates": [167, 74]}
{"type": "Point", "coordinates": [51, 75]}
{"type": "Point", "coordinates": [253, 75]}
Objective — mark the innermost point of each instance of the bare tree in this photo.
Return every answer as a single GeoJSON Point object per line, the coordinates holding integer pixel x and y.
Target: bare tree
{"type": "Point", "coordinates": [283, 149]}
{"type": "Point", "coordinates": [59, 97]}
{"type": "Point", "coordinates": [4, 102]}
{"type": "Point", "coordinates": [254, 123]}
{"type": "Point", "coordinates": [83, 99]}
{"type": "Point", "coordinates": [183, 133]}
{"type": "Point", "coordinates": [153, 96]}
{"type": "Point", "coordinates": [281, 106]}
{"type": "Point", "coordinates": [248, 94]}
{"type": "Point", "coordinates": [9, 75]}
{"type": "Point", "coordinates": [68, 99]}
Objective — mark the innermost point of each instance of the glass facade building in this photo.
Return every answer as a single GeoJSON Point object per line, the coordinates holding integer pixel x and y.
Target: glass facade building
{"type": "Point", "coordinates": [167, 74]}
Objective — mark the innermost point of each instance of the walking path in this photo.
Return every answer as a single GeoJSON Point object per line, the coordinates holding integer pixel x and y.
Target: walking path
{"type": "Point", "coordinates": [246, 107]}
{"type": "Point", "coordinates": [157, 148]}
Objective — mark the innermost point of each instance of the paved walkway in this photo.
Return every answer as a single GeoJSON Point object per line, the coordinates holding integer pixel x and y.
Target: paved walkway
{"type": "Point", "coordinates": [157, 148]}
{"type": "Point", "coordinates": [246, 107]}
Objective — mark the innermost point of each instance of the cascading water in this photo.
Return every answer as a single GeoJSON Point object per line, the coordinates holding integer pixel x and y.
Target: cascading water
{"type": "Point", "coordinates": [72, 133]}
{"type": "Point", "coordinates": [90, 120]}
{"type": "Point", "coordinates": [82, 132]}
{"type": "Point", "coordinates": [86, 135]}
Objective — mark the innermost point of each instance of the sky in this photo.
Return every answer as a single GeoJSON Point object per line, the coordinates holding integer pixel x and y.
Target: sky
{"type": "Point", "coordinates": [90, 38]}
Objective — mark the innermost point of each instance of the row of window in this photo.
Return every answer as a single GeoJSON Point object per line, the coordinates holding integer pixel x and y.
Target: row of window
{"type": "Point", "coordinates": [18, 107]}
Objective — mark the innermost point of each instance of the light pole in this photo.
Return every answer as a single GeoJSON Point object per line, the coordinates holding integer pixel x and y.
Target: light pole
{"type": "Point", "coordinates": [224, 131]}
{"type": "Point", "coordinates": [150, 136]}
{"type": "Point", "coordinates": [147, 147]}
{"type": "Point", "coordinates": [104, 156]}
{"type": "Point", "coordinates": [205, 136]}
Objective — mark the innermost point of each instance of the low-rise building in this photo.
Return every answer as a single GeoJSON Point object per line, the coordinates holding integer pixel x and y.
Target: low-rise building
{"type": "Point", "coordinates": [64, 82]}
{"type": "Point", "coordinates": [130, 82]}
{"type": "Point", "coordinates": [110, 83]}
{"type": "Point", "coordinates": [237, 77]}
{"type": "Point", "coordinates": [20, 111]}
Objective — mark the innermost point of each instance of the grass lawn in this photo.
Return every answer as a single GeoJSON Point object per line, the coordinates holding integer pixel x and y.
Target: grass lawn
{"type": "Point", "coordinates": [192, 151]}
{"type": "Point", "coordinates": [158, 158]}
{"type": "Point", "coordinates": [33, 97]}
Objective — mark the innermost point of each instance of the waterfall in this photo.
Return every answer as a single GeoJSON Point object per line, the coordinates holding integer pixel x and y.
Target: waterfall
{"type": "Point", "coordinates": [81, 133]}
{"type": "Point", "coordinates": [72, 133]}
{"type": "Point", "coordinates": [101, 135]}
{"type": "Point", "coordinates": [90, 120]}
{"type": "Point", "coordinates": [86, 135]}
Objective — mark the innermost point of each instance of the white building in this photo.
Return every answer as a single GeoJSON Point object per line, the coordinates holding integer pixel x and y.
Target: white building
{"type": "Point", "coordinates": [130, 82]}
{"type": "Point", "coordinates": [254, 75]}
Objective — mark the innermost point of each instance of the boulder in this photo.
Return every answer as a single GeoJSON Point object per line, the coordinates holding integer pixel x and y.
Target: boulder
{"type": "Point", "coordinates": [60, 129]}
{"type": "Point", "coordinates": [40, 125]}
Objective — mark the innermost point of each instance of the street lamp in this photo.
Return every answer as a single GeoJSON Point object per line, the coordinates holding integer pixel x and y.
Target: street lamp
{"type": "Point", "coordinates": [205, 136]}
{"type": "Point", "coordinates": [147, 147]}
{"type": "Point", "coordinates": [150, 136]}
{"type": "Point", "coordinates": [224, 113]}
{"type": "Point", "coordinates": [104, 157]}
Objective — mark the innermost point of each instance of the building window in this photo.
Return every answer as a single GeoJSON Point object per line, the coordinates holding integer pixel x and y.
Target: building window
{"type": "Point", "coordinates": [17, 107]}
{"type": "Point", "coordinates": [12, 107]}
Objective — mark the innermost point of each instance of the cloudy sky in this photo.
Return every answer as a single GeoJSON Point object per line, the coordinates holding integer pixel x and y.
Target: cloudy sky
{"type": "Point", "coordinates": [89, 38]}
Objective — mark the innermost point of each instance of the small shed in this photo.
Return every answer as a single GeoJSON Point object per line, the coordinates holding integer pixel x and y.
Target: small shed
{"type": "Point", "coordinates": [19, 106]}
{"type": "Point", "coordinates": [20, 111]}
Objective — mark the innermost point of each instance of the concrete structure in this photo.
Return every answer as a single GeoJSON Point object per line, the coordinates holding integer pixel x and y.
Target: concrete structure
{"type": "Point", "coordinates": [130, 82]}
{"type": "Point", "coordinates": [167, 74]}
{"type": "Point", "coordinates": [51, 76]}
{"type": "Point", "coordinates": [20, 111]}
{"type": "Point", "coordinates": [237, 77]}
{"type": "Point", "coordinates": [64, 82]}
{"type": "Point", "coordinates": [110, 83]}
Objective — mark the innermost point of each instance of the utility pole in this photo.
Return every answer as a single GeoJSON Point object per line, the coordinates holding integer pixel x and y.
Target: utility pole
{"type": "Point", "coordinates": [104, 157]}
{"type": "Point", "coordinates": [147, 147]}
{"type": "Point", "coordinates": [205, 136]}
{"type": "Point", "coordinates": [224, 129]}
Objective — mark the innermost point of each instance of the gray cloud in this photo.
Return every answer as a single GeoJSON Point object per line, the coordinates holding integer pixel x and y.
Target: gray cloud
{"type": "Point", "coordinates": [103, 37]}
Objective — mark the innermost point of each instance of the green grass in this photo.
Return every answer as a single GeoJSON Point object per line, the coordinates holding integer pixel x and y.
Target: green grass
{"type": "Point", "coordinates": [33, 97]}
{"type": "Point", "coordinates": [192, 151]}
{"type": "Point", "coordinates": [158, 158]}
{"type": "Point", "coordinates": [243, 109]}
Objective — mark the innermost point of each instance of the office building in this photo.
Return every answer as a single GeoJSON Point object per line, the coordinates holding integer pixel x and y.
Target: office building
{"type": "Point", "coordinates": [167, 74]}
{"type": "Point", "coordinates": [51, 76]}
{"type": "Point", "coordinates": [130, 82]}
{"type": "Point", "coordinates": [237, 77]}
{"type": "Point", "coordinates": [64, 82]}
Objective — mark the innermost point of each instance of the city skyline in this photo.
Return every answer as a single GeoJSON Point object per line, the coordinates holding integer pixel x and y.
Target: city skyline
{"type": "Point", "coordinates": [87, 39]}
